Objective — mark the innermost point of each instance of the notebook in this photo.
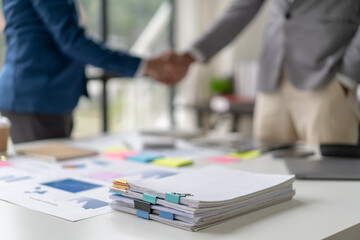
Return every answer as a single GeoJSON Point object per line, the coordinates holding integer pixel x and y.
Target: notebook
{"type": "Point", "coordinates": [56, 151]}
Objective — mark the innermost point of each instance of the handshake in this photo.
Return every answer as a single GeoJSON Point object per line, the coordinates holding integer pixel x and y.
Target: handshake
{"type": "Point", "coordinates": [169, 68]}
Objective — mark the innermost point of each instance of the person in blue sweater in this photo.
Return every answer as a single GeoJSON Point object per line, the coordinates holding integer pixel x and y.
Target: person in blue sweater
{"type": "Point", "coordinates": [43, 75]}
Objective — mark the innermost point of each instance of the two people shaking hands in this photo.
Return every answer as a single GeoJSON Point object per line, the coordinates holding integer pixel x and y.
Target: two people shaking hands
{"type": "Point", "coordinates": [309, 67]}
{"type": "Point", "coordinates": [169, 68]}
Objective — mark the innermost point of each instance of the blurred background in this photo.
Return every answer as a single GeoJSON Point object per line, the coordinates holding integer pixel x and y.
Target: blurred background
{"type": "Point", "coordinates": [148, 28]}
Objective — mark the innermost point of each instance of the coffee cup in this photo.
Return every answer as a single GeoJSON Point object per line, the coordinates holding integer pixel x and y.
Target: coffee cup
{"type": "Point", "coordinates": [4, 134]}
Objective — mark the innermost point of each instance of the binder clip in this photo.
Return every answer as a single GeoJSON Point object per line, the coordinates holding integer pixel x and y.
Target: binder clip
{"type": "Point", "coordinates": [175, 197]}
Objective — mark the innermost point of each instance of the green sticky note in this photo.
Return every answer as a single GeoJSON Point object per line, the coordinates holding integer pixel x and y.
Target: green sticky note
{"type": "Point", "coordinates": [172, 162]}
{"type": "Point", "coordinates": [245, 155]}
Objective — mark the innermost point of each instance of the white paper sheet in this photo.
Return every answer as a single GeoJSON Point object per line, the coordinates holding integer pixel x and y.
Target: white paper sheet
{"type": "Point", "coordinates": [23, 183]}
{"type": "Point", "coordinates": [214, 184]}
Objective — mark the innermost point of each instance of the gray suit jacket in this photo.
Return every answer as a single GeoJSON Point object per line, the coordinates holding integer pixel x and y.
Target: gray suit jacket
{"type": "Point", "coordinates": [313, 38]}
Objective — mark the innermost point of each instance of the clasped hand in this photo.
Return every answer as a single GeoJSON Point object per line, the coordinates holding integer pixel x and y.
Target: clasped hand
{"type": "Point", "coordinates": [169, 68]}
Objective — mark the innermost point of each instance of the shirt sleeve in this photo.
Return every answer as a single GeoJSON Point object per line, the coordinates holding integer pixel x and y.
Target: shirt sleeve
{"type": "Point", "coordinates": [60, 19]}
{"type": "Point", "coordinates": [196, 54]}
{"type": "Point", "coordinates": [226, 27]}
{"type": "Point", "coordinates": [351, 59]}
{"type": "Point", "coordinates": [141, 69]}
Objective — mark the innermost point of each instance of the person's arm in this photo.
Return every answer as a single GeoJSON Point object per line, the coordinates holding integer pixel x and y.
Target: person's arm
{"type": "Point", "coordinates": [2, 23]}
{"type": "Point", "coordinates": [225, 29]}
{"type": "Point", "coordinates": [351, 59]}
{"type": "Point", "coordinates": [59, 18]}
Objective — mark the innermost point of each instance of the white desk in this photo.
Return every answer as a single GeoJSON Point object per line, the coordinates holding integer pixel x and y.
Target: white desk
{"type": "Point", "coordinates": [318, 210]}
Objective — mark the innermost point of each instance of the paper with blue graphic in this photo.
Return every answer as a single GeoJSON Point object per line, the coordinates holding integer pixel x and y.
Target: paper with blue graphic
{"type": "Point", "coordinates": [69, 193]}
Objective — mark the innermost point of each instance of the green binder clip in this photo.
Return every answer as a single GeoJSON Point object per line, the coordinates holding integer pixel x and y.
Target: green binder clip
{"type": "Point", "coordinates": [175, 197]}
{"type": "Point", "coordinates": [149, 198]}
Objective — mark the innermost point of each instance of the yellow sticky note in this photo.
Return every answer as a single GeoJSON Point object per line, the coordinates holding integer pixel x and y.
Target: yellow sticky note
{"type": "Point", "coordinates": [120, 187]}
{"type": "Point", "coordinates": [120, 181]}
{"type": "Point", "coordinates": [245, 155]}
{"type": "Point", "coordinates": [115, 149]}
{"type": "Point", "coordinates": [172, 162]}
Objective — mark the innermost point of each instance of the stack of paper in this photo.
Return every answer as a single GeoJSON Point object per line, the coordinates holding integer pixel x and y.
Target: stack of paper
{"type": "Point", "coordinates": [200, 198]}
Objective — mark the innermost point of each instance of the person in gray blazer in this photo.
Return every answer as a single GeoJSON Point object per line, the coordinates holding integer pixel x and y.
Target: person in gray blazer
{"type": "Point", "coordinates": [309, 67]}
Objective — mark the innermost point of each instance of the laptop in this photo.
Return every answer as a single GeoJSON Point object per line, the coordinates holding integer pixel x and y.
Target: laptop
{"type": "Point", "coordinates": [327, 168]}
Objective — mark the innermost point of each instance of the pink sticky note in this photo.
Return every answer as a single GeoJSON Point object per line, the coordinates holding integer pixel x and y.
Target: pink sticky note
{"type": "Point", "coordinates": [223, 159]}
{"type": "Point", "coordinates": [121, 155]}
{"type": "Point", "coordinates": [5, 164]}
{"type": "Point", "coordinates": [103, 176]}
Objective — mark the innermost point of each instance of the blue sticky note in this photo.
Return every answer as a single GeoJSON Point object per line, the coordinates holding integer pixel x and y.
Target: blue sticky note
{"type": "Point", "coordinates": [142, 214]}
{"type": "Point", "coordinates": [166, 215]}
{"type": "Point", "coordinates": [144, 158]}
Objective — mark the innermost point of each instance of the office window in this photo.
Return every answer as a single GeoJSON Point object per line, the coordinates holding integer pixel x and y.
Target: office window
{"type": "Point", "coordinates": [133, 103]}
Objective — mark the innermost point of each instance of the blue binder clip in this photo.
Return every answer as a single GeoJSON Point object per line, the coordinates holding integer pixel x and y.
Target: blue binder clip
{"type": "Point", "coordinates": [166, 215]}
{"type": "Point", "coordinates": [142, 214]}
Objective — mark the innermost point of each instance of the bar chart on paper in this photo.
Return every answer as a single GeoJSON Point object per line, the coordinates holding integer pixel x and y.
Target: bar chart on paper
{"type": "Point", "coordinates": [13, 176]}
{"type": "Point", "coordinates": [70, 198]}
{"type": "Point", "coordinates": [89, 203]}
{"type": "Point", "coordinates": [71, 185]}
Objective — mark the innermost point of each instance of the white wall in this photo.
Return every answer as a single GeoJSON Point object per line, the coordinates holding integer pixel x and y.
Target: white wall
{"type": "Point", "coordinates": [193, 17]}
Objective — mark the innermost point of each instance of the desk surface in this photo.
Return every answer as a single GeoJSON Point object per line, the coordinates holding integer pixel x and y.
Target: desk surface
{"type": "Point", "coordinates": [318, 210]}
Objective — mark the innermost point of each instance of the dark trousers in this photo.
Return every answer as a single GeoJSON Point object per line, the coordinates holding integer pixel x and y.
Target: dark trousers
{"type": "Point", "coordinates": [26, 127]}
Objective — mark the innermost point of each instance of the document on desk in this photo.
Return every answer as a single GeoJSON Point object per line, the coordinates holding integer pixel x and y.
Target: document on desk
{"type": "Point", "coordinates": [78, 188]}
{"type": "Point", "coordinates": [68, 198]}
{"type": "Point", "coordinates": [200, 198]}
{"type": "Point", "coordinates": [69, 193]}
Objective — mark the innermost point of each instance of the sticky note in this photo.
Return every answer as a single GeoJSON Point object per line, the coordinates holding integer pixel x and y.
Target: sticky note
{"type": "Point", "coordinates": [120, 155]}
{"type": "Point", "coordinates": [120, 187]}
{"type": "Point", "coordinates": [6, 164]}
{"type": "Point", "coordinates": [223, 159]}
{"type": "Point", "coordinates": [172, 162]}
{"type": "Point", "coordinates": [120, 181]}
{"type": "Point", "coordinates": [245, 155]}
{"type": "Point", "coordinates": [144, 158]}
{"type": "Point", "coordinates": [118, 190]}
{"type": "Point", "coordinates": [115, 149]}
{"type": "Point", "coordinates": [104, 176]}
